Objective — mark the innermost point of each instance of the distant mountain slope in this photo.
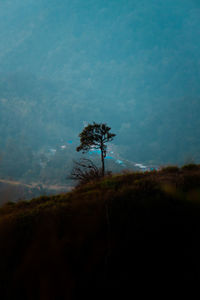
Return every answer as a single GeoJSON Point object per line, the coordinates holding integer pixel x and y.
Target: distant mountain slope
{"type": "Point", "coordinates": [14, 191]}
{"type": "Point", "coordinates": [133, 64]}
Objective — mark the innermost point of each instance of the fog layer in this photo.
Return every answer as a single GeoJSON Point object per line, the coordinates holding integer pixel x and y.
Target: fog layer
{"type": "Point", "coordinates": [133, 64]}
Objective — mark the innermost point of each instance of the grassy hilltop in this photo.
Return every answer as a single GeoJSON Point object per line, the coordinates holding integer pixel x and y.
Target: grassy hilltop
{"type": "Point", "coordinates": [120, 234]}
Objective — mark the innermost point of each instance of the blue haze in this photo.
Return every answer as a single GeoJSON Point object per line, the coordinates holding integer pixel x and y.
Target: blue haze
{"type": "Point", "coordinates": [134, 64]}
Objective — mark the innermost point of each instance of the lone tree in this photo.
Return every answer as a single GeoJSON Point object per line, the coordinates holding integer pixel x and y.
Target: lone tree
{"type": "Point", "coordinates": [94, 136]}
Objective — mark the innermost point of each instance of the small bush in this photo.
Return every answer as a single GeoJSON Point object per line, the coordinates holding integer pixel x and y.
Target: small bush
{"type": "Point", "coordinates": [170, 169]}
{"type": "Point", "coordinates": [190, 167]}
{"type": "Point", "coordinates": [191, 181]}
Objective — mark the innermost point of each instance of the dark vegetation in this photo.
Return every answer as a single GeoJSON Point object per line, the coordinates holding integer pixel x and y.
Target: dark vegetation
{"type": "Point", "coordinates": [123, 233]}
{"type": "Point", "coordinates": [85, 171]}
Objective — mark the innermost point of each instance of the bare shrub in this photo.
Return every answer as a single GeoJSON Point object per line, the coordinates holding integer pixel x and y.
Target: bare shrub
{"type": "Point", "coordinates": [84, 171]}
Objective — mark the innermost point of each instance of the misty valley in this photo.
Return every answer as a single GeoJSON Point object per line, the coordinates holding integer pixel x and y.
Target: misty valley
{"type": "Point", "coordinates": [64, 65]}
{"type": "Point", "coordinates": [39, 131]}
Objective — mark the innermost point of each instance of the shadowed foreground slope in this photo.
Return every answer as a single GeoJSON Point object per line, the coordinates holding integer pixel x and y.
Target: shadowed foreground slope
{"type": "Point", "coordinates": [122, 234]}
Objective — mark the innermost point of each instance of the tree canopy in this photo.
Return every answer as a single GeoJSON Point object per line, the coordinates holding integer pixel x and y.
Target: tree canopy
{"type": "Point", "coordinates": [95, 136]}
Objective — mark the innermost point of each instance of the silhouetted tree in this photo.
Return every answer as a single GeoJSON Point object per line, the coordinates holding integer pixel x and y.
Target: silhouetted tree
{"type": "Point", "coordinates": [94, 136]}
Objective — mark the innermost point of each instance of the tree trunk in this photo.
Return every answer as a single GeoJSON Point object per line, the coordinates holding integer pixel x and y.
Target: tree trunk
{"type": "Point", "coordinates": [102, 162]}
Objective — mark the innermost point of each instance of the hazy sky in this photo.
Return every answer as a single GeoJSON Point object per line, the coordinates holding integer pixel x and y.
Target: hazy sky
{"type": "Point", "coordinates": [134, 64]}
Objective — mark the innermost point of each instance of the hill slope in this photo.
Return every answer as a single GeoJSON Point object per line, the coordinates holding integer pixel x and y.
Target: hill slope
{"type": "Point", "coordinates": [113, 236]}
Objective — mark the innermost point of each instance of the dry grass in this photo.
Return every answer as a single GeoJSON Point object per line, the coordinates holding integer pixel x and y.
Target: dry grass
{"type": "Point", "coordinates": [103, 238]}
